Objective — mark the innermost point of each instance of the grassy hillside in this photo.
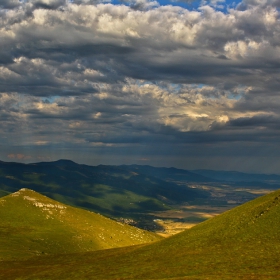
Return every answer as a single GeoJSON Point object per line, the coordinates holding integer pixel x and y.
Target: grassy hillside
{"type": "Point", "coordinates": [243, 243]}
{"type": "Point", "coordinates": [32, 224]}
{"type": "Point", "coordinates": [109, 190]}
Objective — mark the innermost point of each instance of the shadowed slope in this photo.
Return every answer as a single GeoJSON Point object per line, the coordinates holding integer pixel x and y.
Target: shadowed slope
{"type": "Point", "coordinates": [109, 190]}
{"type": "Point", "coordinates": [32, 224]}
{"type": "Point", "coordinates": [243, 243]}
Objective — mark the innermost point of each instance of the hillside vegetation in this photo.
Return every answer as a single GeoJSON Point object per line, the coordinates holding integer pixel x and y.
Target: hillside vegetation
{"type": "Point", "coordinates": [32, 225]}
{"type": "Point", "coordinates": [109, 190]}
{"type": "Point", "coordinates": [243, 243]}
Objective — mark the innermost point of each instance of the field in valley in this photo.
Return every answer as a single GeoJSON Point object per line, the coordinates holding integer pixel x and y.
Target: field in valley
{"type": "Point", "coordinates": [223, 198]}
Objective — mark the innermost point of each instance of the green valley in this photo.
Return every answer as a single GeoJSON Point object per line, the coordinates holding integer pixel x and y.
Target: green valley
{"type": "Point", "coordinates": [108, 190]}
{"type": "Point", "coordinates": [242, 243]}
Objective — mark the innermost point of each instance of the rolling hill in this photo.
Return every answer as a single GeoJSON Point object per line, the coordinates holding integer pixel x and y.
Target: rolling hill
{"type": "Point", "coordinates": [242, 243]}
{"type": "Point", "coordinates": [108, 190]}
{"type": "Point", "coordinates": [32, 224]}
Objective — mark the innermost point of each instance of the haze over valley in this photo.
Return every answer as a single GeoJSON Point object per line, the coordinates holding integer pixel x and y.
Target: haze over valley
{"type": "Point", "coordinates": [163, 200]}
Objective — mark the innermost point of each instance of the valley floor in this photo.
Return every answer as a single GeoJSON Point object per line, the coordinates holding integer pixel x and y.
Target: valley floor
{"type": "Point", "coordinates": [223, 198]}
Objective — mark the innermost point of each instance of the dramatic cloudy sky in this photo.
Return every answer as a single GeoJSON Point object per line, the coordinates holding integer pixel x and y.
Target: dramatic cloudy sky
{"type": "Point", "coordinates": [190, 84]}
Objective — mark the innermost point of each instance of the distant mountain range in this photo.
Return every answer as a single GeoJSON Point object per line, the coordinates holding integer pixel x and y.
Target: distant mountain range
{"type": "Point", "coordinates": [234, 176]}
{"type": "Point", "coordinates": [127, 191]}
{"type": "Point", "coordinates": [242, 243]}
{"type": "Point", "coordinates": [165, 173]}
{"type": "Point", "coordinates": [202, 175]}
{"type": "Point", "coordinates": [113, 191]}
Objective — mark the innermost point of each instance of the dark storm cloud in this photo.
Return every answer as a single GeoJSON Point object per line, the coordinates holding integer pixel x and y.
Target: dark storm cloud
{"type": "Point", "coordinates": [9, 4]}
{"type": "Point", "coordinates": [47, 4]}
{"type": "Point", "coordinates": [266, 120]}
{"type": "Point", "coordinates": [158, 79]}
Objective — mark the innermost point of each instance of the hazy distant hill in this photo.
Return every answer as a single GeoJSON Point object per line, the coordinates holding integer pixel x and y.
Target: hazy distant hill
{"type": "Point", "coordinates": [109, 190]}
{"type": "Point", "coordinates": [203, 175]}
{"type": "Point", "coordinates": [234, 176]}
{"type": "Point", "coordinates": [32, 224]}
{"type": "Point", "coordinates": [242, 243]}
{"type": "Point", "coordinates": [171, 173]}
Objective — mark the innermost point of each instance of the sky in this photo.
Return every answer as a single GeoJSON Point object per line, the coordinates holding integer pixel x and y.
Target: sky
{"type": "Point", "coordinates": [182, 83]}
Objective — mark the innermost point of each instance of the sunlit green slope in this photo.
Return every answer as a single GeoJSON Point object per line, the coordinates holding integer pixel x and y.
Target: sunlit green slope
{"type": "Point", "coordinates": [32, 224]}
{"type": "Point", "coordinates": [243, 243]}
{"type": "Point", "coordinates": [109, 190]}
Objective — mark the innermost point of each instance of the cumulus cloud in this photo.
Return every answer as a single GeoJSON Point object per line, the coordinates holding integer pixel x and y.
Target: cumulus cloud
{"type": "Point", "coordinates": [245, 4]}
{"type": "Point", "coordinates": [93, 74]}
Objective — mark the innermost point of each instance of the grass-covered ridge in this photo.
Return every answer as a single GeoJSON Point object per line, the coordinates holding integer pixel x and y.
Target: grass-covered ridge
{"type": "Point", "coordinates": [243, 243]}
{"type": "Point", "coordinates": [33, 224]}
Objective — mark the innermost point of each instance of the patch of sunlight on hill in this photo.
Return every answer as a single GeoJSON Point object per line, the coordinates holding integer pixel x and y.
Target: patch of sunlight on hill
{"type": "Point", "coordinates": [32, 224]}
